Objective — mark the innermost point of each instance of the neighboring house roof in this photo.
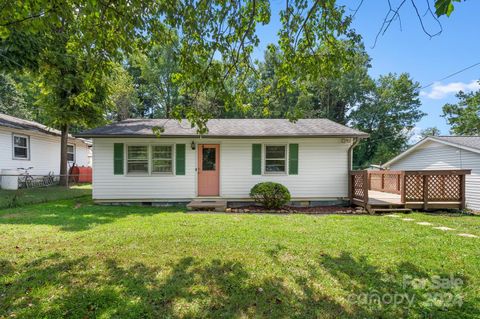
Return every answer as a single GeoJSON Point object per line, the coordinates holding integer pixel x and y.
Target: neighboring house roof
{"type": "Point", "coordinates": [21, 124]}
{"type": "Point", "coordinates": [469, 143]}
{"type": "Point", "coordinates": [229, 128]}
{"type": "Point", "coordinates": [472, 142]}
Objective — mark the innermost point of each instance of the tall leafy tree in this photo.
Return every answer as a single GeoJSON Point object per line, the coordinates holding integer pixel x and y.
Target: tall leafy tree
{"type": "Point", "coordinates": [321, 72]}
{"type": "Point", "coordinates": [77, 40]}
{"type": "Point", "coordinates": [154, 73]}
{"type": "Point", "coordinates": [70, 45]}
{"type": "Point", "coordinates": [430, 131]}
{"type": "Point", "coordinates": [333, 96]}
{"type": "Point", "coordinates": [12, 99]}
{"type": "Point", "coordinates": [389, 115]}
{"type": "Point", "coordinates": [322, 47]}
{"type": "Point", "coordinates": [464, 116]}
{"type": "Point", "coordinates": [122, 95]}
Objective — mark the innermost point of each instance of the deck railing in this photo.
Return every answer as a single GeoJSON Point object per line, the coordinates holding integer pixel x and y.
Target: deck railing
{"type": "Point", "coordinates": [435, 186]}
{"type": "Point", "coordinates": [359, 186]}
{"type": "Point", "coordinates": [385, 181]}
{"type": "Point", "coordinates": [428, 186]}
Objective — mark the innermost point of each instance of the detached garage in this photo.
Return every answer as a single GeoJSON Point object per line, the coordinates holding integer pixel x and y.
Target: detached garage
{"type": "Point", "coordinates": [445, 153]}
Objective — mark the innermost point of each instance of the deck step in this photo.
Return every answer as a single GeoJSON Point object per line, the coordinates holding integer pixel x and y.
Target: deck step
{"type": "Point", "coordinates": [217, 205]}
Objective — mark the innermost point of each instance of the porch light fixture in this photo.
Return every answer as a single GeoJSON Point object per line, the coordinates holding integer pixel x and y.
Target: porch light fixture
{"type": "Point", "coordinates": [192, 145]}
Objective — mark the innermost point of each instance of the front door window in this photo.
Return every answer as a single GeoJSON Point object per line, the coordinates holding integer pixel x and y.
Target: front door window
{"type": "Point", "coordinates": [209, 159]}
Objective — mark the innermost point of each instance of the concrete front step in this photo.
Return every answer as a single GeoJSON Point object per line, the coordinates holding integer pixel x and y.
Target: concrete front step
{"type": "Point", "coordinates": [217, 205]}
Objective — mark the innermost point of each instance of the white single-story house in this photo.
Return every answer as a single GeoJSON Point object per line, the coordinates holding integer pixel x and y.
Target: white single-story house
{"type": "Point", "coordinates": [131, 163]}
{"type": "Point", "coordinates": [445, 153]}
{"type": "Point", "coordinates": [26, 144]}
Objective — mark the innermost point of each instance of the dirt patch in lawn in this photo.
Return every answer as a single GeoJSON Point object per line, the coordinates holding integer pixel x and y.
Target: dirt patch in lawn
{"type": "Point", "coordinates": [294, 210]}
{"type": "Point", "coordinates": [8, 216]}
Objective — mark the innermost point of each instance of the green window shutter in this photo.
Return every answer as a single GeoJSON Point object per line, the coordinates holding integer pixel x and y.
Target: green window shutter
{"type": "Point", "coordinates": [118, 158]}
{"type": "Point", "coordinates": [293, 159]}
{"type": "Point", "coordinates": [256, 159]}
{"type": "Point", "coordinates": [180, 159]}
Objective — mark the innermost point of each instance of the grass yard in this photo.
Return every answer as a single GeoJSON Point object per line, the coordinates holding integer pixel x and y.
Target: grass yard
{"type": "Point", "coordinates": [70, 258]}
{"type": "Point", "coordinates": [29, 196]}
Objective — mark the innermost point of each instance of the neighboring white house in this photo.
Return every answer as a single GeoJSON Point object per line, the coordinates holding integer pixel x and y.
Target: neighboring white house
{"type": "Point", "coordinates": [26, 144]}
{"type": "Point", "coordinates": [445, 152]}
{"type": "Point", "coordinates": [132, 164]}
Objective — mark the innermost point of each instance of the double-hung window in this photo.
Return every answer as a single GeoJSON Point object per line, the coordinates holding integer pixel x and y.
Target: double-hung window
{"type": "Point", "coordinates": [162, 159]}
{"type": "Point", "coordinates": [137, 159]}
{"type": "Point", "coordinates": [71, 153]}
{"type": "Point", "coordinates": [275, 159]}
{"type": "Point", "coordinates": [21, 147]}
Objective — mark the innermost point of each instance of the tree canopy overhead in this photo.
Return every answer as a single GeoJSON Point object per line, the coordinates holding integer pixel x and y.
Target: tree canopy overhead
{"type": "Point", "coordinates": [97, 60]}
{"type": "Point", "coordinates": [71, 45]}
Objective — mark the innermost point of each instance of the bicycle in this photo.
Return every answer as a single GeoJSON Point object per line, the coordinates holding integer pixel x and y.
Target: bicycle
{"type": "Point", "coordinates": [49, 179]}
{"type": "Point", "coordinates": [25, 180]}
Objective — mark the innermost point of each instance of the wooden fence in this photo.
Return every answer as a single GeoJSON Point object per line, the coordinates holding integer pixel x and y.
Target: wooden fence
{"type": "Point", "coordinates": [420, 187]}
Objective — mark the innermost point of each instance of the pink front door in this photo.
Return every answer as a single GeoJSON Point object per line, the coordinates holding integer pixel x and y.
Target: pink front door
{"type": "Point", "coordinates": [208, 169]}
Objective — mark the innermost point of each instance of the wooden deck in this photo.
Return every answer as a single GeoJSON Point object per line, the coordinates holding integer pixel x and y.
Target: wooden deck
{"type": "Point", "coordinates": [380, 198]}
{"type": "Point", "coordinates": [406, 190]}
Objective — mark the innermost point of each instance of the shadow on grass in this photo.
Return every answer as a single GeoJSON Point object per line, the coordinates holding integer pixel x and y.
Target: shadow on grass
{"type": "Point", "coordinates": [75, 214]}
{"type": "Point", "coordinates": [30, 196]}
{"type": "Point", "coordinates": [401, 292]}
{"type": "Point", "coordinates": [56, 287]}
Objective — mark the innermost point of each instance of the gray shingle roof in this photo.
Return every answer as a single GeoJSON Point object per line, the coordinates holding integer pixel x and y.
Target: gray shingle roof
{"type": "Point", "coordinates": [467, 141]}
{"type": "Point", "coordinates": [248, 128]}
{"type": "Point", "coordinates": [21, 124]}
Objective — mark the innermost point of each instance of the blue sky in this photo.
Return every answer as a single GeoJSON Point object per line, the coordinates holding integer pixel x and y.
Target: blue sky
{"type": "Point", "coordinates": [411, 50]}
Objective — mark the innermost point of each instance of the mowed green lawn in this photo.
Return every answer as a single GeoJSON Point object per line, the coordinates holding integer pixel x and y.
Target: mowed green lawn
{"type": "Point", "coordinates": [21, 197]}
{"type": "Point", "coordinates": [71, 258]}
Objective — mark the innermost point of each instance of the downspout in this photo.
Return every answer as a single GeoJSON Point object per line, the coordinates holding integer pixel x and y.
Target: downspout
{"type": "Point", "coordinates": [356, 140]}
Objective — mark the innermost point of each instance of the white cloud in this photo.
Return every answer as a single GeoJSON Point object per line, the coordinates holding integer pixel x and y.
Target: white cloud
{"type": "Point", "coordinates": [439, 91]}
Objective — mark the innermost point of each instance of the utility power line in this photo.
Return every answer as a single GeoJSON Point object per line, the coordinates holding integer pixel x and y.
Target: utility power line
{"type": "Point", "coordinates": [453, 74]}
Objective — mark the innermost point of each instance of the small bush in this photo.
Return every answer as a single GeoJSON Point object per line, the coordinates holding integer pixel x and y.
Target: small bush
{"type": "Point", "coordinates": [270, 195]}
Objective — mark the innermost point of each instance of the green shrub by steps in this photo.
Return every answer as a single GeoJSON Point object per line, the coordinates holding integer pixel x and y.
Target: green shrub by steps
{"type": "Point", "coordinates": [270, 195]}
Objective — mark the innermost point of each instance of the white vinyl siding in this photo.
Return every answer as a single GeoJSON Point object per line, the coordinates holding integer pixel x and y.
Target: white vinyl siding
{"type": "Point", "coordinates": [437, 156]}
{"type": "Point", "coordinates": [322, 169]}
{"type": "Point", "coordinates": [44, 150]}
{"type": "Point", "coordinates": [139, 187]}
{"type": "Point", "coordinates": [322, 172]}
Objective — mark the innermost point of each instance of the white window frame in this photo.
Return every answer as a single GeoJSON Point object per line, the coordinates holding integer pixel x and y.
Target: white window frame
{"type": "Point", "coordinates": [27, 147]}
{"type": "Point", "coordinates": [148, 172]}
{"type": "Point", "coordinates": [172, 159]}
{"type": "Point", "coordinates": [74, 152]}
{"type": "Point", "coordinates": [264, 159]}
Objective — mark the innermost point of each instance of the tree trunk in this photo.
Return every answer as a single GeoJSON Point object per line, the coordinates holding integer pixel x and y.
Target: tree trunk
{"type": "Point", "coordinates": [63, 156]}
